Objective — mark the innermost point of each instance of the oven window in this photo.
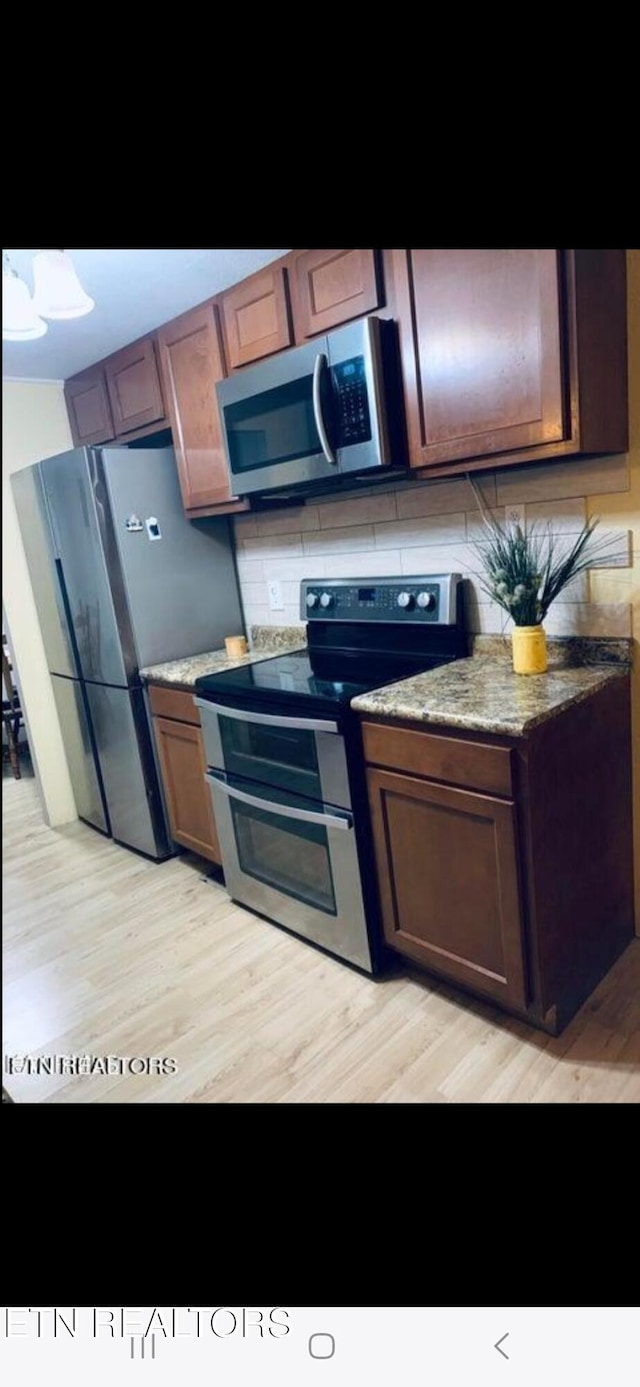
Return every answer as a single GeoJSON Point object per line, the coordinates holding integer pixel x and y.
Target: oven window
{"type": "Point", "coordinates": [275, 426]}
{"type": "Point", "coordinates": [283, 757]}
{"type": "Point", "coordinates": [291, 856]}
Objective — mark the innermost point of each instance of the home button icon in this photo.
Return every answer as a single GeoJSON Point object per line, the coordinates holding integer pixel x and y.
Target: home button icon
{"type": "Point", "coordinates": [322, 1346]}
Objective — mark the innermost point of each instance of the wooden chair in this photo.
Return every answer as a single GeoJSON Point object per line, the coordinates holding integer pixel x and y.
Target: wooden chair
{"type": "Point", "coordinates": [12, 718]}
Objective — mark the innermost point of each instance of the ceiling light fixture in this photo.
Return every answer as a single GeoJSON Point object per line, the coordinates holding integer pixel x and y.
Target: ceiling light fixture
{"type": "Point", "coordinates": [58, 292]}
{"type": "Point", "coordinates": [20, 321]}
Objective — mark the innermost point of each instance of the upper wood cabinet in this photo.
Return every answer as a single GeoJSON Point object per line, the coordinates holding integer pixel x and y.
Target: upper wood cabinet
{"type": "Point", "coordinates": [191, 361]}
{"type": "Point", "coordinates": [256, 316]}
{"type": "Point", "coordinates": [134, 387]}
{"type": "Point", "coordinates": [507, 356]}
{"type": "Point", "coordinates": [511, 355]}
{"type": "Point", "coordinates": [329, 287]}
{"type": "Point", "coordinates": [88, 407]}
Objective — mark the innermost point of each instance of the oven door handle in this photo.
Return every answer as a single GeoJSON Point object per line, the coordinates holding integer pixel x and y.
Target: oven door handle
{"type": "Point", "coordinates": [269, 720]}
{"type": "Point", "coordinates": [271, 807]}
{"type": "Point", "coordinates": [319, 367]}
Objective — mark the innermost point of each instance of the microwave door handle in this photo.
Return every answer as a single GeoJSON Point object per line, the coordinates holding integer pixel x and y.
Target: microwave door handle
{"type": "Point", "coordinates": [287, 811]}
{"type": "Point", "coordinates": [321, 362]}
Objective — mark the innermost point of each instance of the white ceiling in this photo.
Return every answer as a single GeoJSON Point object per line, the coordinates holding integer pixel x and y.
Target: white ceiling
{"type": "Point", "coordinates": [134, 291]}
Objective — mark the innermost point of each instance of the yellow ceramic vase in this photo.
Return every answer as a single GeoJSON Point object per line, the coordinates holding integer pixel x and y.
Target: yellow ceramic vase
{"type": "Point", "coordinates": [529, 649]}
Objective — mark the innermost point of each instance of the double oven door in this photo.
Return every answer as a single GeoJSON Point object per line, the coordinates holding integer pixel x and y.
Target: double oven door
{"type": "Point", "coordinates": [283, 811]}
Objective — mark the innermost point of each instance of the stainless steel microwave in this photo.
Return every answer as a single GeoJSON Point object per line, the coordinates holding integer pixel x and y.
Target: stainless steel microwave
{"type": "Point", "coordinates": [317, 413]}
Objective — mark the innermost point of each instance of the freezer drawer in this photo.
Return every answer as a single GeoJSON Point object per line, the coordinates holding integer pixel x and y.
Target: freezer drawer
{"type": "Point", "coordinates": [84, 773]}
{"type": "Point", "coordinates": [128, 769]}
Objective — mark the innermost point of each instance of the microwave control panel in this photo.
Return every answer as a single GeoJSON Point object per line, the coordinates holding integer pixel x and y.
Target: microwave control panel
{"type": "Point", "coordinates": [351, 400]}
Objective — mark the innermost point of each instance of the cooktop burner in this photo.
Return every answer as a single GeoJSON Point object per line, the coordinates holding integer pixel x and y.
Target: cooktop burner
{"type": "Point", "coordinates": [359, 638]}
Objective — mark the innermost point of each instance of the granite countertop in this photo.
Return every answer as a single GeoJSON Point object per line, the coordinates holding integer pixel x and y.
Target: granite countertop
{"type": "Point", "coordinates": [484, 694]}
{"type": "Point", "coordinates": [481, 693]}
{"type": "Point", "coordinates": [267, 642]}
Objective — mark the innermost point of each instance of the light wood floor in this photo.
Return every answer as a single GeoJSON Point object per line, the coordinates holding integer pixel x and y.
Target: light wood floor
{"type": "Point", "coordinates": [108, 954]}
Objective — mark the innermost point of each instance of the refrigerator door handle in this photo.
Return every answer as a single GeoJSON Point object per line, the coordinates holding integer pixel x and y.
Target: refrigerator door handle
{"type": "Point", "coordinates": [67, 611]}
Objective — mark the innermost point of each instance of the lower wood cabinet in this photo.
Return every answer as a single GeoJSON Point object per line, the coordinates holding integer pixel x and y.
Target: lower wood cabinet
{"type": "Point", "coordinates": [183, 764]}
{"type": "Point", "coordinates": [505, 864]}
{"type": "Point", "coordinates": [449, 881]}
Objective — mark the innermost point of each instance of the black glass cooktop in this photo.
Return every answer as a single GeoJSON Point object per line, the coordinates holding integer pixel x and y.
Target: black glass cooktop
{"type": "Point", "coordinates": [323, 679]}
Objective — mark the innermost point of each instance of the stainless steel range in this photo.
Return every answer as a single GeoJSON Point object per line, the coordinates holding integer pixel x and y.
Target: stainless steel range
{"type": "Point", "coordinates": [285, 765]}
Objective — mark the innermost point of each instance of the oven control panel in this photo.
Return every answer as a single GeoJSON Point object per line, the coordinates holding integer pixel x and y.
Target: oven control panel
{"type": "Point", "coordinates": [427, 599]}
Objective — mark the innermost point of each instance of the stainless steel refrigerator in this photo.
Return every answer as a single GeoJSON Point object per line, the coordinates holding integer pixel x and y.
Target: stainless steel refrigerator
{"type": "Point", "coordinates": [121, 580]}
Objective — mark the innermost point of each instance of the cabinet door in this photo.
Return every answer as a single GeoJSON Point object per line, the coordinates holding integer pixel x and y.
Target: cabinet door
{"type": "Point", "coordinates": [448, 879]}
{"type": "Point", "coordinates": [88, 407]}
{"type": "Point", "coordinates": [256, 317]}
{"type": "Point", "coordinates": [134, 387]}
{"type": "Point", "coordinates": [182, 760]}
{"type": "Point", "coordinates": [481, 351]}
{"type": "Point", "coordinates": [191, 362]}
{"type": "Point", "coordinates": [333, 286]}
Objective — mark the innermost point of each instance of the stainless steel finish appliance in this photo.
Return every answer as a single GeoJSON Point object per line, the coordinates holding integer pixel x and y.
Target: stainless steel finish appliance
{"type": "Point", "coordinates": [285, 767]}
{"type": "Point", "coordinates": [317, 413]}
{"type": "Point", "coordinates": [121, 580]}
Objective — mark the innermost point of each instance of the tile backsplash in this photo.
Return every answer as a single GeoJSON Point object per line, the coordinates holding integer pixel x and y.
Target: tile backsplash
{"type": "Point", "coordinates": [430, 527]}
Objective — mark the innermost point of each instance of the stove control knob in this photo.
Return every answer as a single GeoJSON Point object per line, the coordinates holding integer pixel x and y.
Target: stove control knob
{"type": "Point", "coordinates": [405, 600]}
{"type": "Point", "coordinates": [427, 601]}
{"type": "Point", "coordinates": [327, 599]}
{"type": "Point", "coordinates": [312, 599]}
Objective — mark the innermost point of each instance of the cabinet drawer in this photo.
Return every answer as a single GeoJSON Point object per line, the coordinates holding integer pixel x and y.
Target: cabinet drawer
{"type": "Point", "coordinates": [439, 758]}
{"type": "Point", "coordinates": [173, 703]}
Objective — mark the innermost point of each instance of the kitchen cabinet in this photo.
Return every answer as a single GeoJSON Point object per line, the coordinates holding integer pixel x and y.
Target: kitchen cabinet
{"type": "Point", "coordinates": [191, 361]}
{"type": "Point", "coordinates": [180, 748]}
{"type": "Point", "coordinates": [256, 316]}
{"type": "Point", "coordinates": [88, 407]}
{"type": "Point", "coordinates": [504, 865]}
{"type": "Point", "coordinates": [135, 392]}
{"type": "Point", "coordinates": [511, 355]}
{"type": "Point", "coordinates": [507, 356]}
{"type": "Point", "coordinates": [330, 287]}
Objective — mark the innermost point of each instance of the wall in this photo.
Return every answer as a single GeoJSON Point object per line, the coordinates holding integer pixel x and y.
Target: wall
{"type": "Point", "coordinates": [429, 527]}
{"type": "Point", "coordinates": [34, 426]}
